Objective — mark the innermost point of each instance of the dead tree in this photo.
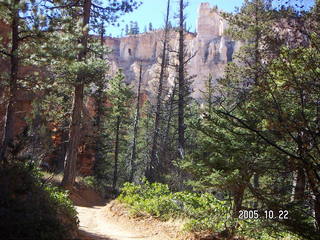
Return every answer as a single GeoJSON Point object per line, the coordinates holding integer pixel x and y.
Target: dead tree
{"type": "Point", "coordinates": [135, 128]}
{"type": "Point", "coordinates": [181, 82]}
{"type": "Point", "coordinates": [155, 162]}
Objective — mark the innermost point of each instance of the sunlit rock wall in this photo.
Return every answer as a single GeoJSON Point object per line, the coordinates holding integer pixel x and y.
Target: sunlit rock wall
{"type": "Point", "coordinates": [212, 50]}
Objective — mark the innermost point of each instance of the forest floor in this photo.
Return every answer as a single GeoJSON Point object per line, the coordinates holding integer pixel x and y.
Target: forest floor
{"type": "Point", "coordinates": [109, 220]}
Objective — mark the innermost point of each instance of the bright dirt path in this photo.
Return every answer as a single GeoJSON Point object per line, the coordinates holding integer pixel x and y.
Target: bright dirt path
{"type": "Point", "coordinates": [104, 223]}
{"type": "Point", "coordinates": [111, 221]}
{"type": "Point", "coordinates": [95, 224]}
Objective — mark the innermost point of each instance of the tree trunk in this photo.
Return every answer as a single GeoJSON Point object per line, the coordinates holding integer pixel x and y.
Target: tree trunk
{"type": "Point", "coordinates": [317, 211]}
{"type": "Point", "coordinates": [167, 131]}
{"type": "Point", "coordinates": [154, 160]}
{"type": "Point", "coordinates": [314, 182]}
{"type": "Point", "coordinates": [238, 194]}
{"type": "Point", "coordinates": [74, 138]}
{"type": "Point", "coordinates": [181, 78]}
{"type": "Point", "coordinates": [256, 186]}
{"type": "Point", "coordinates": [8, 130]}
{"type": "Point", "coordinates": [135, 129]}
{"type": "Point", "coordinates": [299, 183]}
{"type": "Point", "coordinates": [75, 124]}
{"type": "Point", "coordinates": [116, 154]}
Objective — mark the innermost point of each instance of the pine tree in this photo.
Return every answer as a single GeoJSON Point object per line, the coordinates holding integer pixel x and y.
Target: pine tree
{"type": "Point", "coordinates": [181, 81]}
{"type": "Point", "coordinates": [133, 157]}
{"type": "Point", "coordinates": [120, 97]}
{"type": "Point", "coordinates": [25, 30]}
{"type": "Point", "coordinates": [91, 15]}
{"type": "Point", "coordinates": [255, 127]}
{"type": "Point", "coordinates": [150, 27]}
{"type": "Point", "coordinates": [126, 30]}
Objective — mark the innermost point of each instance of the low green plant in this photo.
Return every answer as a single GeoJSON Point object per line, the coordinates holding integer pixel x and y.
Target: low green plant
{"type": "Point", "coordinates": [202, 211]}
{"type": "Point", "coordinates": [60, 199]}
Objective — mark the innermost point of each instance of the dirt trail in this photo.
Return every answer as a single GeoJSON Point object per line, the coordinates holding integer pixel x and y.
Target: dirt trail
{"type": "Point", "coordinates": [111, 221]}
{"type": "Point", "coordinates": [95, 224]}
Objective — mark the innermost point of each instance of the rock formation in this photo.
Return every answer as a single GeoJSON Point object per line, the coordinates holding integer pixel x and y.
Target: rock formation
{"type": "Point", "coordinates": [210, 47]}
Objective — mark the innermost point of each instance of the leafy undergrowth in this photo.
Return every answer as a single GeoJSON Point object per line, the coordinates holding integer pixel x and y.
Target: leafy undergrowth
{"type": "Point", "coordinates": [202, 213]}
{"type": "Point", "coordinates": [32, 209]}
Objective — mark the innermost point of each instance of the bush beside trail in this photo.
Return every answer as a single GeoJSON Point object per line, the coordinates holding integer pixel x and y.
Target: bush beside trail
{"type": "Point", "coordinates": [202, 212]}
{"type": "Point", "coordinates": [30, 209]}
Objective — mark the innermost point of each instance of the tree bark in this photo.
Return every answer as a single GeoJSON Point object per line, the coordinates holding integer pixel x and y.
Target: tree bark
{"type": "Point", "coordinates": [74, 138]}
{"type": "Point", "coordinates": [75, 124]}
{"type": "Point", "coordinates": [317, 210]}
{"type": "Point", "coordinates": [181, 81]}
{"type": "Point", "coordinates": [167, 131]}
{"type": "Point", "coordinates": [256, 186]}
{"type": "Point", "coordinates": [238, 194]}
{"type": "Point", "coordinates": [116, 155]}
{"type": "Point", "coordinates": [8, 130]}
{"type": "Point", "coordinates": [315, 187]}
{"type": "Point", "coordinates": [299, 183]}
{"type": "Point", "coordinates": [135, 129]}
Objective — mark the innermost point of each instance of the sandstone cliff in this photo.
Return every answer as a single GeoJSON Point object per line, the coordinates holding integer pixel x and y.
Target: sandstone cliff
{"type": "Point", "coordinates": [210, 47]}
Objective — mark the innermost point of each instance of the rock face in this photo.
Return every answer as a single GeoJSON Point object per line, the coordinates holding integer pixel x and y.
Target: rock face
{"type": "Point", "coordinates": [210, 47]}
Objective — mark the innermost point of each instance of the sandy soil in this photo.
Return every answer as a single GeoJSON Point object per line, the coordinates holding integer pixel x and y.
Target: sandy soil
{"type": "Point", "coordinates": [110, 222]}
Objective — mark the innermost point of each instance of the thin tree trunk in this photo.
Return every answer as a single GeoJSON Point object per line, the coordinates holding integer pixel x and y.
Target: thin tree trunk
{"type": "Point", "coordinates": [256, 186]}
{"type": "Point", "coordinates": [315, 187]}
{"type": "Point", "coordinates": [135, 129]}
{"type": "Point", "coordinates": [154, 159]}
{"type": "Point", "coordinates": [238, 194]}
{"type": "Point", "coordinates": [8, 130]}
{"type": "Point", "coordinates": [116, 154]}
{"type": "Point", "coordinates": [299, 183]}
{"type": "Point", "coordinates": [75, 124]}
{"type": "Point", "coordinates": [181, 78]}
{"type": "Point", "coordinates": [167, 131]}
{"type": "Point", "coordinates": [210, 93]}
{"type": "Point", "coordinates": [317, 210]}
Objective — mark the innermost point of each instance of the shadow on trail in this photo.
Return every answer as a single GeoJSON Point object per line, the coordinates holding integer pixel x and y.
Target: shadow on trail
{"type": "Point", "coordinates": [83, 196]}
{"type": "Point", "coordinates": [84, 235]}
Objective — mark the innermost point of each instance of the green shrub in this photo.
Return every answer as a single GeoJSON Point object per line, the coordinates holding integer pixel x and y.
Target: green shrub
{"type": "Point", "coordinates": [32, 210]}
{"type": "Point", "coordinates": [60, 199]}
{"type": "Point", "coordinates": [204, 210]}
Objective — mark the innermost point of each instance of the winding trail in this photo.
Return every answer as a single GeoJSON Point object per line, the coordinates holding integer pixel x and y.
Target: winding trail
{"type": "Point", "coordinates": [96, 225]}
{"type": "Point", "coordinates": [110, 220]}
